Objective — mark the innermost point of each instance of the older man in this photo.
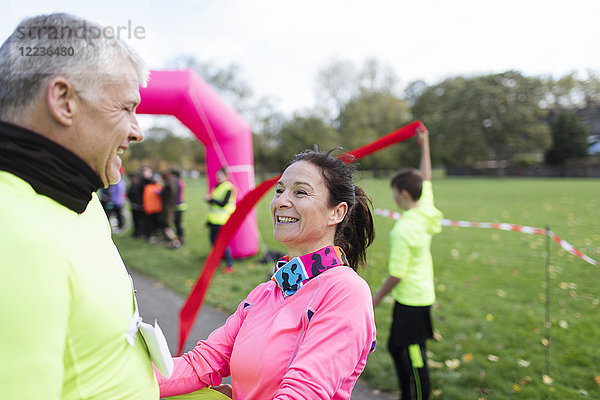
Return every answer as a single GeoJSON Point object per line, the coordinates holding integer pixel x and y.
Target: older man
{"type": "Point", "coordinates": [68, 326]}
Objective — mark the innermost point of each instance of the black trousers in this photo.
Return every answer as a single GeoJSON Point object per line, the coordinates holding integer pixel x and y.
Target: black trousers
{"type": "Point", "coordinates": [178, 224]}
{"type": "Point", "coordinates": [411, 367]}
{"type": "Point", "coordinates": [411, 327]}
{"type": "Point", "coordinates": [214, 232]}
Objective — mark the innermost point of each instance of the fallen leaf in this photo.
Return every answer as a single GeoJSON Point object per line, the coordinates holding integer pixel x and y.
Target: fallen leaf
{"type": "Point", "coordinates": [563, 324]}
{"type": "Point", "coordinates": [516, 388]}
{"type": "Point", "coordinates": [452, 364]}
{"type": "Point", "coordinates": [455, 254]}
{"type": "Point", "coordinates": [158, 285]}
{"type": "Point", "coordinates": [434, 364]}
{"type": "Point", "coordinates": [526, 380]}
{"type": "Point", "coordinates": [467, 357]}
{"type": "Point", "coordinates": [524, 363]}
{"type": "Point", "coordinates": [501, 293]}
{"type": "Point", "coordinates": [597, 379]}
{"type": "Point", "coordinates": [545, 342]}
{"type": "Point", "coordinates": [547, 380]}
{"type": "Point", "coordinates": [493, 358]}
{"type": "Point", "coordinates": [489, 317]}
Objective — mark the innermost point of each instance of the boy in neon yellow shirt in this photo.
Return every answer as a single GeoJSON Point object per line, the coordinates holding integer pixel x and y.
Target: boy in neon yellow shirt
{"type": "Point", "coordinates": [410, 279]}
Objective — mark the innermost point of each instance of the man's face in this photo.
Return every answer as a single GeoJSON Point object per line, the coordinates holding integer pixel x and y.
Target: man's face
{"type": "Point", "coordinates": [108, 123]}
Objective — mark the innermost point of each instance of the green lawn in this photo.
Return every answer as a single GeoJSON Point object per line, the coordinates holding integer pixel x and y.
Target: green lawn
{"type": "Point", "coordinates": [490, 285]}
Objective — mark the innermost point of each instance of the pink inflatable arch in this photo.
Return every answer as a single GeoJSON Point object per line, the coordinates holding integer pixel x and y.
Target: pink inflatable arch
{"type": "Point", "coordinates": [225, 134]}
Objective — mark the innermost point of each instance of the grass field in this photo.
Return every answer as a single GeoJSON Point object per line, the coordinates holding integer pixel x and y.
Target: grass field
{"type": "Point", "coordinates": [490, 284]}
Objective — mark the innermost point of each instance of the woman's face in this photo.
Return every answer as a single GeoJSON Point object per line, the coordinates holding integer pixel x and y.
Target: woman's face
{"type": "Point", "coordinates": [302, 218]}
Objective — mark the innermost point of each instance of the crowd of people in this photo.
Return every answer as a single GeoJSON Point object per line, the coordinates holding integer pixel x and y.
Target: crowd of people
{"type": "Point", "coordinates": [157, 206]}
{"type": "Point", "coordinates": [304, 334]}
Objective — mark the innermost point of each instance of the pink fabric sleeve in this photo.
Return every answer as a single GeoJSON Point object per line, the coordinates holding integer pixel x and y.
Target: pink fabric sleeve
{"type": "Point", "coordinates": [334, 349]}
{"type": "Point", "coordinates": [207, 363]}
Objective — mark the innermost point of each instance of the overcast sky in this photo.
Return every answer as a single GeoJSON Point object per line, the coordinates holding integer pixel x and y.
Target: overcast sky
{"type": "Point", "coordinates": [280, 45]}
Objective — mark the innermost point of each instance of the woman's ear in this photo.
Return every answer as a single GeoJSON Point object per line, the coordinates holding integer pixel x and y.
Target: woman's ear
{"type": "Point", "coordinates": [338, 213]}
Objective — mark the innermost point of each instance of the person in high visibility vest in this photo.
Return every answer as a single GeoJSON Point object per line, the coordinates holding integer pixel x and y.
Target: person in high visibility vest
{"type": "Point", "coordinates": [70, 323]}
{"type": "Point", "coordinates": [410, 280]}
{"type": "Point", "coordinates": [222, 204]}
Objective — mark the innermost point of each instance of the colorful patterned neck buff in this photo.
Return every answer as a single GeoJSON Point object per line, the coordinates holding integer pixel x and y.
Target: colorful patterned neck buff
{"type": "Point", "coordinates": [291, 275]}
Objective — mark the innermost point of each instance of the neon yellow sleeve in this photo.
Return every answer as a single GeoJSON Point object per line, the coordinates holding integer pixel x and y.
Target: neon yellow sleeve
{"type": "Point", "coordinates": [34, 309]}
{"type": "Point", "coordinates": [399, 254]}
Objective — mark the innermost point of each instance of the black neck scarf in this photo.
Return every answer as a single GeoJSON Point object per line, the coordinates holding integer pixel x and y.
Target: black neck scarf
{"type": "Point", "coordinates": [51, 169]}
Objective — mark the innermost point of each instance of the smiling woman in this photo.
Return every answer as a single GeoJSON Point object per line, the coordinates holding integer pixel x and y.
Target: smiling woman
{"type": "Point", "coordinates": [307, 332]}
{"type": "Point", "coordinates": [302, 218]}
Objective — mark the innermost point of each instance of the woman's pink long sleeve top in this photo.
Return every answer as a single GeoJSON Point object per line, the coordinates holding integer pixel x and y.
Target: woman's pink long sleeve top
{"type": "Point", "coordinates": [311, 345]}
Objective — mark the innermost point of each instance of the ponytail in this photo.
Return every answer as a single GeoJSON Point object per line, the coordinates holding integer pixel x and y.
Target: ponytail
{"type": "Point", "coordinates": [356, 232]}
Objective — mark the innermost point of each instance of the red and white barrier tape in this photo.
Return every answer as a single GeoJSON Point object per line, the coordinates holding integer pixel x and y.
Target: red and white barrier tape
{"type": "Point", "coordinates": [502, 226]}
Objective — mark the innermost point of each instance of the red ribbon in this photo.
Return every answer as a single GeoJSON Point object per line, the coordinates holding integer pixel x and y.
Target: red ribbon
{"type": "Point", "coordinates": [189, 311]}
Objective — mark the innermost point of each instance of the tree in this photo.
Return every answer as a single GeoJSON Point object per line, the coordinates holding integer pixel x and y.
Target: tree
{"type": "Point", "coordinates": [162, 148]}
{"type": "Point", "coordinates": [224, 81]}
{"type": "Point", "coordinates": [301, 133]}
{"type": "Point", "coordinates": [370, 116]}
{"type": "Point", "coordinates": [569, 139]}
{"type": "Point", "coordinates": [335, 86]}
{"type": "Point", "coordinates": [267, 123]}
{"type": "Point", "coordinates": [492, 117]}
{"type": "Point", "coordinates": [341, 81]}
{"type": "Point", "coordinates": [571, 91]}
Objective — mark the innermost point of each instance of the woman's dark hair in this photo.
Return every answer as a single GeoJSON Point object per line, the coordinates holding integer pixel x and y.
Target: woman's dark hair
{"type": "Point", "coordinates": [356, 232]}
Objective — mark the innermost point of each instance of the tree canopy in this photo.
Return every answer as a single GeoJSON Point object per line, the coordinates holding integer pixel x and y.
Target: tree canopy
{"type": "Point", "coordinates": [496, 117]}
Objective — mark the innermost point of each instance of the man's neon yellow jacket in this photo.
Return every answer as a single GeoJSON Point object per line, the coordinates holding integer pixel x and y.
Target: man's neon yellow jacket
{"type": "Point", "coordinates": [65, 304]}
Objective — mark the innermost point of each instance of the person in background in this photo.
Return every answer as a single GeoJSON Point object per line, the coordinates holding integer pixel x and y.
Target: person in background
{"type": "Point", "coordinates": [180, 206]}
{"type": "Point", "coordinates": [117, 196]}
{"type": "Point", "coordinates": [146, 175]}
{"type": "Point", "coordinates": [221, 202]}
{"type": "Point", "coordinates": [410, 277]}
{"type": "Point", "coordinates": [135, 196]}
{"type": "Point", "coordinates": [69, 324]}
{"type": "Point", "coordinates": [152, 207]}
{"type": "Point", "coordinates": [307, 332]}
{"type": "Point", "coordinates": [168, 196]}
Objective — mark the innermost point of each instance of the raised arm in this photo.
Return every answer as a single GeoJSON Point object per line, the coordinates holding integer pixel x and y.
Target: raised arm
{"type": "Point", "coordinates": [425, 165]}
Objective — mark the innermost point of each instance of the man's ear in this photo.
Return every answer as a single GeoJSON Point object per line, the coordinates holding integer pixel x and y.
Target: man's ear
{"type": "Point", "coordinates": [338, 213]}
{"type": "Point", "coordinates": [61, 100]}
